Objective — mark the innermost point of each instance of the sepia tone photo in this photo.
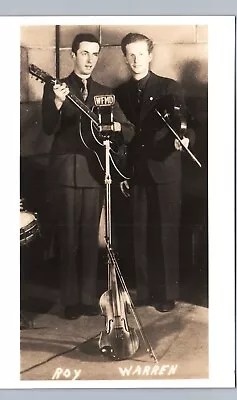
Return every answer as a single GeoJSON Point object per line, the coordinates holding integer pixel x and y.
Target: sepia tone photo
{"type": "Point", "coordinates": [113, 202]}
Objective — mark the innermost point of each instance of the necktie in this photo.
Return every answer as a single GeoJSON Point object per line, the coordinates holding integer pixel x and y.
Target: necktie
{"type": "Point", "coordinates": [138, 98]}
{"type": "Point", "coordinates": [139, 95]}
{"type": "Point", "coordinates": [84, 89]}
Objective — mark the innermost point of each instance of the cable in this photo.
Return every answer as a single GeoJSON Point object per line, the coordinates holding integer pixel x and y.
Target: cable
{"type": "Point", "coordinates": [55, 356]}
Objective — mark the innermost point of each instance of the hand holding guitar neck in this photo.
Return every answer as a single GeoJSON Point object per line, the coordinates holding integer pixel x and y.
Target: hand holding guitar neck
{"type": "Point", "coordinates": [61, 91]}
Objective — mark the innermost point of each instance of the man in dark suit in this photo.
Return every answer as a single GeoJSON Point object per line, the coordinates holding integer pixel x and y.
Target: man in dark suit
{"type": "Point", "coordinates": [77, 180]}
{"type": "Point", "coordinates": [156, 185]}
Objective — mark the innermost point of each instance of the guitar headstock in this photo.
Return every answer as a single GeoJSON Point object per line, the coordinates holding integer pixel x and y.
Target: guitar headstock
{"type": "Point", "coordinates": [40, 74]}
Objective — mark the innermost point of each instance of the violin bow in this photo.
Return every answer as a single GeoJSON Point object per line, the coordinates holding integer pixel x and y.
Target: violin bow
{"type": "Point", "coordinates": [178, 138]}
{"type": "Point", "coordinates": [148, 346]}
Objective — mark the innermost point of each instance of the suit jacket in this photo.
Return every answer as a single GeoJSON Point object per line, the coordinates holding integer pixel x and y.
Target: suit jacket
{"type": "Point", "coordinates": [152, 147]}
{"type": "Point", "coordinates": [71, 163]}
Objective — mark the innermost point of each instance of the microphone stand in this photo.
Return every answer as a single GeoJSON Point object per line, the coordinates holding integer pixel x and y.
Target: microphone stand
{"type": "Point", "coordinates": [111, 259]}
{"type": "Point", "coordinates": [108, 182]}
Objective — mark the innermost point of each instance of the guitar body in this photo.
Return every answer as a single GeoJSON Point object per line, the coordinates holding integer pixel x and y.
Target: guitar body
{"type": "Point", "coordinates": [90, 135]}
{"type": "Point", "coordinates": [94, 141]}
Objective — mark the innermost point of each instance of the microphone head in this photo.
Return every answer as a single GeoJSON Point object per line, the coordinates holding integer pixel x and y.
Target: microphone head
{"type": "Point", "coordinates": [104, 100]}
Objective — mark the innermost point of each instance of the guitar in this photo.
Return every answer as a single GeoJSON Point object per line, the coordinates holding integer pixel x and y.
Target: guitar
{"type": "Point", "coordinates": [92, 138]}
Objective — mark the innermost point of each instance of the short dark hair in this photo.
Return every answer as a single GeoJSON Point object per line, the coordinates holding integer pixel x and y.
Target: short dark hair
{"type": "Point", "coordinates": [136, 37]}
{"type": "Point", "coordinates": [83, 37]}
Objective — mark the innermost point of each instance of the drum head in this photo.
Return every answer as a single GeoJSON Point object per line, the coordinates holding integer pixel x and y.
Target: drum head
{"type": "Point", "coordinates": [26, 218]}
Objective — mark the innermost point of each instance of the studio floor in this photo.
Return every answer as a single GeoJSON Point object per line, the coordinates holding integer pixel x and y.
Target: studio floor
{"type": "Point", "coordinates": [58, 349]}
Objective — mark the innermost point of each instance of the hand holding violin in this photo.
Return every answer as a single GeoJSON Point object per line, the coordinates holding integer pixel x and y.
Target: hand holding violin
{"type": "Point", "coordinates": [185, 142]}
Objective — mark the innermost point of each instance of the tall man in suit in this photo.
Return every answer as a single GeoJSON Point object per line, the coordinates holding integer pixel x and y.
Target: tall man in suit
{"type": "Point", "coordinates": [77, 180]}
{"type": "Point", "coordinates": [156, 185]}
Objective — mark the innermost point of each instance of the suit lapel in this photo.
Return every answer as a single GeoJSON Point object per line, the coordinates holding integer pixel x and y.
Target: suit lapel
{"type": "Point", "coordinates": [151, 94]}
{"type": "Point", "coordinates": [74, 86]}
{"type": "Point", "coordinates": [92, 92]}
{"type": "Point", "coordinates": [130, 99]}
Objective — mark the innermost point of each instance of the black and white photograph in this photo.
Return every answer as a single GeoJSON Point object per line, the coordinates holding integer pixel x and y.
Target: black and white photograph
{"type": "Point", "coordinates": [115, 216]}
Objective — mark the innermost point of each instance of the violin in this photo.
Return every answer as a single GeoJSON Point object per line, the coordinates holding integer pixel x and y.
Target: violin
{"type": "Point", "coordinates": [118, 341]}
{"type": "Point", "coordinates": [170, 111]}
{"type": "Point", "coordinates": [173, 114]}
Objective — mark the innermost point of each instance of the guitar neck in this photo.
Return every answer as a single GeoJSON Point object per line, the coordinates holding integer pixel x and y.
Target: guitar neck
{"type": "Point", "coordinates": [86, 110]}
{"type": "Point", "coordinates": [45, 77]}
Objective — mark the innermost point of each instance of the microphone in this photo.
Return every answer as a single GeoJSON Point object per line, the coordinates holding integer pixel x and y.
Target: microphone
{"type": "Point", "coordinates": [104, 107]}
{"type": "Point", "coordinates": [104, 100]}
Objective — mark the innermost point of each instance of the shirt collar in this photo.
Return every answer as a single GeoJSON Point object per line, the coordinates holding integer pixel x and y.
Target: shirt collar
{"type": "Point", "coordinates": [78, 80]}
{"type": "Point", "coordinates": [142, 82]}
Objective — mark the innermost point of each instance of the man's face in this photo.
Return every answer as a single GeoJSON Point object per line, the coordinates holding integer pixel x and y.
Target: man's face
{"type": "Point", "coordinates": [138, 57]}
{"type": "Point", "coordinates": [86, 58]}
